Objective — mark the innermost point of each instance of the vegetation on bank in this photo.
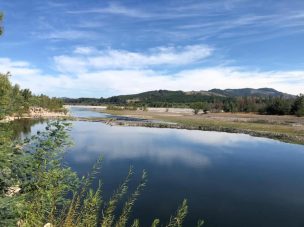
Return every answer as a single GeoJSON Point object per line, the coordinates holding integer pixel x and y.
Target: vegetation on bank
{"type": "Point", "coordinates": [283, 128]}
{"type": "Point", "coordinates": [17, 101]}
{"type": "Point", "coordinates": [36, 187]}
{"type": "Point", "coordinates": [273, 102]}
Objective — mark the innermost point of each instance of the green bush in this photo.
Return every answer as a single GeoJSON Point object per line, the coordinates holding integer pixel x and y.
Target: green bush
{"type": "Point", "coordinates": [16, 101]}
{"type": "Point", "coordinates": [298, 106]}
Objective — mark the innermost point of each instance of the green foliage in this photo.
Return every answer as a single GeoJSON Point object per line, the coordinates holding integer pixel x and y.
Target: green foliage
{"type": "Point", "coordinates": [264, 101]}
{"type": "Point", "coordinates": [200, 223]}
{"type": "Point", "coordinates": [298, 106]}
{"type": "Point", "coordinates": [85, 202]}
{"type": "Point", "coordinates": [108, 218]}
{"type": "Point", "coordinates": [126, 211]}
{"type": "Point", "coordinates": [279, 106]}
{"type": "Point", "coordinates": [230, 106]}
{"type": "Point", "coordinates": [35, 166]}
{"type": "Point", "coordinates": [5, 94]}
{"type": "Point", "coordinates": [135, 223]}
{"type": "Point", "coordinates": [52, 104]}
{"type": "Point", "coordinates": [52, 193]}
{"type": "Point", "coordinates": [45, 180]}
{"type": "Point", "coordinates": [16, 101]}
{"type": "Point", "coordinates": [155, 223]}
{"type": "Point", "coordinates": [11, 168]}
{"type": "Point", "coordinates": [177, 220]}
{"type": "Point", "coordinates": [197, 106]}
{"type": "Point", "coordinates": [86, 205]}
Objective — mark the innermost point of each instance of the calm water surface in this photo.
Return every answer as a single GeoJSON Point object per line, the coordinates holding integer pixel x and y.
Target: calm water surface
{"type": "Point", "coordinates": [229, 180]}
{"type": "Point", "coordinates": [82, 112]}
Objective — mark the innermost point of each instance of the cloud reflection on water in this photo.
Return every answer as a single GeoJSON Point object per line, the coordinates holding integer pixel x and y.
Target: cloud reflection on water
{"type": "Point", "coordinates": [163, 146]}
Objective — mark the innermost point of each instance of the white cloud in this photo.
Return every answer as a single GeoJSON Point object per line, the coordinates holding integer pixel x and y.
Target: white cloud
{"type": "Point", "coordinates": [121, 59]}
{"type": "Point", "coordinates": [116, 9]}
{"type": "Point", "coordinates": [85, 50]}
{"type": "Point", "coordinates": [88, 72]}
{"type": "Point", "coordinates": [112, 82]}
{"type": "Point", "coordinates": [20, 68]}
{"type": "Point", "coordinates": [67, 35]}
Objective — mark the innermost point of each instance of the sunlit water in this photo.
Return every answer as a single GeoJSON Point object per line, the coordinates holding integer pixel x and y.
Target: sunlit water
{"type": "Point", "coordinates": [81, 112]}
{"type": "Point", "coordinates": [230, 180]}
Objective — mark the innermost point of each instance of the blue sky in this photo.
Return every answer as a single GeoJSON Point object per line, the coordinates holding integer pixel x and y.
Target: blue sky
{"type": "Point", "coordinates": [102, 48]}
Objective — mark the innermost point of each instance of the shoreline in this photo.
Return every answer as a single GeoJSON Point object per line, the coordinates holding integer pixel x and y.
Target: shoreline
{"type": "Point", "coordinates": [270, 135]}
{"type": "Point", "coordinates": [283, 128]}
{"type": "Point", "coordinates": [37, 113]}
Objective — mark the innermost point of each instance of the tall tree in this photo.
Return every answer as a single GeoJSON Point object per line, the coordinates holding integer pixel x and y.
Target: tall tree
{"type": "Point", "coordinates": [5, 94]}
{"type": "Point", "coordinates": [298, 106]}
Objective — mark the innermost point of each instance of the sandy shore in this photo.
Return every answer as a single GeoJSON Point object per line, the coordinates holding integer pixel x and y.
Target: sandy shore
{"type": "Point", "coordinates": [37, 112]}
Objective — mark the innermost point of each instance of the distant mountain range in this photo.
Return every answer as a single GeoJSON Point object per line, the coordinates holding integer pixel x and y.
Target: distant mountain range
{"type": "Point", "coordinates": [245, 92]}
{"type": "Point", "coordinates": [166, 96]}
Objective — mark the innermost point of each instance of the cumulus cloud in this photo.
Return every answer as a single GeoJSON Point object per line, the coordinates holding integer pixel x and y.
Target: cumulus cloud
{"type": "Point", "coordinates": [88, 72]}
{"type": "Point", "coordinates": [121, 59]}
{"type": "Point", "coordinates": [21, 68]}
{"type": "Point", "coordinates": [113, 82]}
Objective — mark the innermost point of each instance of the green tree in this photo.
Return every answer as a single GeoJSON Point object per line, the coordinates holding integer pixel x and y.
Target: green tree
{"type": "Point", "coordinates": [5, 94]}
{"type": "Point", "coordinates": [298, 106]}
{"type": "Point", "coordinates": [230, 106]}
{"type": "Point", "coordinates": [197, 106]}
{"type": "Point", "coordinates": [279, 106]}
{"type": "Point", "coordinates": [15, 101]}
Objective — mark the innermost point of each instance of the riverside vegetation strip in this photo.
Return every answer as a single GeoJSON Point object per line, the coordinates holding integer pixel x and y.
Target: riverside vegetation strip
{"type": "Point", "coordinates": [38, 189]}
{"type": "Point", "coordinates": [284, 128]}
{"type": "Point", "coordinates": [35, 182]}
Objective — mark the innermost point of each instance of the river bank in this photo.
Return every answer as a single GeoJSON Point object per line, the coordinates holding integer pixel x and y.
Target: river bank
{"type": "Point", "coordinates": [38, 112]}
{"type": "Point", "coordinates": [284, 128]}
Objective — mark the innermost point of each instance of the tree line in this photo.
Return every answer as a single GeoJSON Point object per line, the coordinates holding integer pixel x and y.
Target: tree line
{"type": "Point", "coordinates": [17, 101]}
{"type": "Point", "coordinates": [270, 105]}
{"type": "Point", "coordinates": [249, 104]}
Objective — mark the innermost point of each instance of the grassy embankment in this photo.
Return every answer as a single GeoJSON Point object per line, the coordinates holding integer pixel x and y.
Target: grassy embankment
{"type": "Point", "coordinates": [283, 128]}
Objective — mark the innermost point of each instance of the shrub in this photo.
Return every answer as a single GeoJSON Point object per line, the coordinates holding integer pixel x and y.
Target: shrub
{"type": "Point", "coordinates": [298, 106]}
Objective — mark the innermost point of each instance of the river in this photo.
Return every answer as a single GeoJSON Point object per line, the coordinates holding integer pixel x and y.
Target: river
{"type": "Point", "coordinates": [231, 180]}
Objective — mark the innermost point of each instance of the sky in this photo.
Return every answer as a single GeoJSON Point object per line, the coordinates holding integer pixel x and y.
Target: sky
{"type": "Point", "coordinates": [101, 48]}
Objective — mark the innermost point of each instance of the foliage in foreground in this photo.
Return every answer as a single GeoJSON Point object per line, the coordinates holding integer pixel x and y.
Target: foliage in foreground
{"type": "Point", "coordinates": [52, 193]}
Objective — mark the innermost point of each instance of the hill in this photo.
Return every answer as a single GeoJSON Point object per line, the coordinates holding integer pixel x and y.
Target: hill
{"type": "Point", "coordinates": [249, 92]}
{"type": "Point", "coordinates": [245, 99]}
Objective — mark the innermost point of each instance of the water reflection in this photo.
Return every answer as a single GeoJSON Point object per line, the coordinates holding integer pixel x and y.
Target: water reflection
{"type": "Point", "coordinates": [230, 180]}
{"type": "Point", "coordinates": [83, 112]}
{"type": "Point", "coordinates": [24, 127]}
{"type": "Point", "coordinates": [162, 146]}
